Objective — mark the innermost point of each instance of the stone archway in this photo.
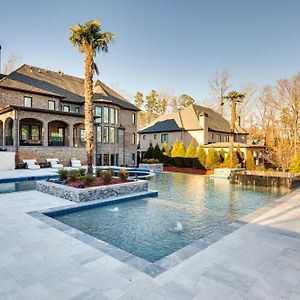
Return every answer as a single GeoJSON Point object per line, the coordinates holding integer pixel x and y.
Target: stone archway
{"type": "Point", "coordinates": [58, 133]}
{"type": "Point", "coordinates": [1, 133]}
{"type": "Point", "coordinates": [8, 130]}
{"type": "Point", "coordinates": [31, 132]}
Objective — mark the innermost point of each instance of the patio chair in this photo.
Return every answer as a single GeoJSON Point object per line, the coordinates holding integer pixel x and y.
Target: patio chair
{"type": "Point", "coordinates": [75, 163]}
{"type": "Point", "coordinates": [54, 163]}
{"type": "Point", "coordinates": [31, 164]}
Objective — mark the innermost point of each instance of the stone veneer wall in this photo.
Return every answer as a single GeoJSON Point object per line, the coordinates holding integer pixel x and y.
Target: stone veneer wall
{"type": "Point", "coordinates": [94, 193]}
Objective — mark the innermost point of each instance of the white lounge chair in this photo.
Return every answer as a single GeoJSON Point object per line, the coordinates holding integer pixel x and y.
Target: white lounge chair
{"type": "Point", "coordinates": [54, 163]}
{"type": "Point", "coordinates": [75, 163]}
{"type": "Point", "coordinates": [31, 164]}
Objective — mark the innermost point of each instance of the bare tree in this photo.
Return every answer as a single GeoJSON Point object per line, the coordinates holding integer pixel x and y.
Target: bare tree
{"type": "Point", "coordinates": [13, 62]}
{"type": "Point", "coordinates": [219, 86]}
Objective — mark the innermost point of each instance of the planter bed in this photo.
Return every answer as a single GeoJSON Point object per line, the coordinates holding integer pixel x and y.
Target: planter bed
{"type": "Point", "coordinates": [92, 193]}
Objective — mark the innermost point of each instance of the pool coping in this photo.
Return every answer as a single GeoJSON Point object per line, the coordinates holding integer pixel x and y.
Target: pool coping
{"type": "Point", "coordinates": [28, 178]}
{"type": "Point", "coordinates": [165, 263]}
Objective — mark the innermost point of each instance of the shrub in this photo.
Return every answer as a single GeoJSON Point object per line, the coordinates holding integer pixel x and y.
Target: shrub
{"type": "Point", "coordinates": [222, 154]}
{"type": "Point", "coordinates": [73, 174]}
{"type": "Point", "coordinates": [197, 164]}
{"type": "Point", "coordinates": [82, 172]}
{"type": "Point", "coordinates": [201, 155]}
{"type": "Point", "coordinates": [150, 161]}
{"type": "Point", "coordinates": [174, 148]}
{"type": "Point", "coordinates": [212, 159]}
{"type": "Point", "coordinates": [250, 164]}
{"type": "Point", "coordinates": [111, 171]}
{"type": "Point", "coordinates": [123, 174]}
{"type": "Point", "coordinates": [107, 176]}
{"type": "Point", "coordinates": [88, 179]}
{"type": "Point", "coordinates": [63, 174]}
{"type": "Point", "coordinates": [191, 150]}
{"type": "Point", "coordinates": [181, 150]}
{"type": "Point", "coordinates": [99, 172]}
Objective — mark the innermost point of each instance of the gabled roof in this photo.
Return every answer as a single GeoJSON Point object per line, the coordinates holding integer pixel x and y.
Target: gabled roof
{"type": "Point", "coordinates": [162, 126]}
{"type": "Point", "coordinates": [57, 84]}
{"type": "Point", "coordinates": [188, 119]}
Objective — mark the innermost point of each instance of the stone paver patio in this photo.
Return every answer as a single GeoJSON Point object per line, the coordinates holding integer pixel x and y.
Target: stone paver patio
{"type": "Point", "coordinates": [260, 260]}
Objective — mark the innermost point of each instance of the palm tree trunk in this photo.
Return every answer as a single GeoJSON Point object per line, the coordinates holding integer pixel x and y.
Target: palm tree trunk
{"type": "Point", "coordinates": [231, 138]}
{"type": "Point", "coordinates": [89, 118]}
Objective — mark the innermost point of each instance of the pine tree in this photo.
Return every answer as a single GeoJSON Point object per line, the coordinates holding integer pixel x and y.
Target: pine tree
{"type": "Point", "coordinates": [175, 148]}
{"type": "Point", "coordinates": [235, 160]}
{"type": "Point", "coordinates": [156, 152]}
{"type": "Point", "coordinates": [165, 149]}
{"type": "Point", "coordinates": [201, 155]}
{"type": "Point", "coordinates": [222, 154]}
{"type": "Point", "coordinates": [250, 164]}
{"type": "Point", "coordinates": [191, 150]}
{"type": "Point", "coordinates": [212, 159]}
{"type": "Point", "coordinates": [149, 152]}
{"type": "Point", "coordinates": [151, 105]}
{"type": "Point", "coordinates": [181, 150]}
{"type": "Point", "coordinates": [138, 99]}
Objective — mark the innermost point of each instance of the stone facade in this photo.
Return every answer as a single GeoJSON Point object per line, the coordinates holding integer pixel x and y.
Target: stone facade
{"type": "Point", "coordinates": [94, 193]}
{"type": "Point", "coordinates": [121, 152]}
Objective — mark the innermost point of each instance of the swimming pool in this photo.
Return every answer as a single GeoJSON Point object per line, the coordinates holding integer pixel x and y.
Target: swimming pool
{"type": "Point", "coordinates": [188, 207]}
{"type": "Point", "coordinates": [11, 187]}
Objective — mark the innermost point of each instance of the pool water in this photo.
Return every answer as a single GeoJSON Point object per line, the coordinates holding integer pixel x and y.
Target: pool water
{"type": "Point", "coordinates": [148, 227]}
{"type": "Point", "coordinates": [17, 186]}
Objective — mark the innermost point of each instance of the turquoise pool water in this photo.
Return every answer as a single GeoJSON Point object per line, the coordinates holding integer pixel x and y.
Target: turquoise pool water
{"type": "Point", "coordinates": [151, 228]}
{"type": "Point", "coordinates": [10, 187]}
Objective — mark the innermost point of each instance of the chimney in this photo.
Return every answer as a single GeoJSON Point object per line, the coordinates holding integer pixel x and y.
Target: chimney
{"type": "Point", "coordinates": [203, 122]}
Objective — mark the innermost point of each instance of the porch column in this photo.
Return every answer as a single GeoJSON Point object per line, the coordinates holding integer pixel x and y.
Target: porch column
{"type": "Point", "coordinates": [45, 134]}
{"type": "Point", "coordinates": [71, 135]}
{"type": "Point", "coordinates": [15, 133]}
{"type": "Point", "coordinates": [3, 134]}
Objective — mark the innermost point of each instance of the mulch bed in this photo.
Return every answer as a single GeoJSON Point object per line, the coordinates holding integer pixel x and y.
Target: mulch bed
{"type": "Point", "coordinates": [96, 182]}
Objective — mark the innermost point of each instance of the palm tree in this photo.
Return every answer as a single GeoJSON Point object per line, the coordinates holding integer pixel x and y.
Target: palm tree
{"type": "Point", "coordinates": [234, 97]}
{"type": "Point", "coordinates": [89, 40]}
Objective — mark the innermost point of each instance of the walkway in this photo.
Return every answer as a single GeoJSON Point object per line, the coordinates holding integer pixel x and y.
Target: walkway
{"type": "Point", "coordinates": [261, 260]}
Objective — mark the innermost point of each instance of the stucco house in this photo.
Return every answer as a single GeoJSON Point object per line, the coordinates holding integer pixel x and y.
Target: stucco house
{"type": "Point", "coordinates": [42, 116]}
{"type": "Point", "coordinates": [198, 123]}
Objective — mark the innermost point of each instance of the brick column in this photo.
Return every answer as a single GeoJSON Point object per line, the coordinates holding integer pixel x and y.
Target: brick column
{"type": "Point", "coordinates": [45, 134]}
{"type": "Point", "coordinates": [71, 135]}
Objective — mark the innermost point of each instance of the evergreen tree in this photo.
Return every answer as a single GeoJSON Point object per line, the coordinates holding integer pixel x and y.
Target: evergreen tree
{"type": "Point", "coordinates": [191, 150]}
{"type": "Point", "coordinates": [149, 152]}
{"type": "Point", "coordinates": [201, 155]}
{"type": "Point", "coordinates": [151, 105]}
{"type": "Point", "coordinates": [185, 100]}
{"type": "Point", "coordinates": [212, 159]}
{"type": "Point", "coordinates": [165, 149]}
{"type": "Point", "coordinates": [222, 154]}
{"type": "Point", "coordinates": [175, 149]}
{"type": "Point", "coordinates": [239, 154]}
{"type": "Point", "coordinates": [156, 152]}
{"type": "Point", "coordinates": [138, 100]}
{"type": "Point", "coordinates": [235, 160]}
{"type": "Point", "coordinates": [250, 164]}
{"type": "Point", "coordinates": [295, 164]}
{"type": "Point", "coordinates": [181, 150]}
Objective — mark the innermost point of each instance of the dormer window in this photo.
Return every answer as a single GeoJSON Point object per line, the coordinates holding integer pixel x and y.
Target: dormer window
{"type": "Point", "coordinates": [66, 108]}
{"type": "Point", "coordinates": [27, 101]}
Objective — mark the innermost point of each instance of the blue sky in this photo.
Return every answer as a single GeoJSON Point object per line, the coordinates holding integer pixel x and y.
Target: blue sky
{"type": "Point", "coordinates": [161, 44]}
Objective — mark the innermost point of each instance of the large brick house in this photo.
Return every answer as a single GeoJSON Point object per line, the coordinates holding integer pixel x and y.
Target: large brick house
{"type": "Point", "coordinates": [198, 123]}
{"type": "Point", "coordinates": [42, 116]}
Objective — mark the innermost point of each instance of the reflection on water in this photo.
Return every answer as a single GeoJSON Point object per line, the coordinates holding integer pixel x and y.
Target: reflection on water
{"type": "Point", "coordinates": [17, 186]}
{"type": "Point", "coordinates": [188, 207]}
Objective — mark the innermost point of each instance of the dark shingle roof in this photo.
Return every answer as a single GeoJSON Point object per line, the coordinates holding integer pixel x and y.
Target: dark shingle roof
{"type": "Point", "coordinates": [162, 126]}
{"type": "Point", "coordinates": [57, 84]}
{"type": "Point", "coordinates": [188, 119]}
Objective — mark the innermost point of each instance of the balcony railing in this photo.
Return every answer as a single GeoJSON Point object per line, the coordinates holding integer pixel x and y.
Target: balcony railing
{"type": "Point", "coordinates": [57, 141]}
{"type": "Point", "coordinates": [9, 141]}
{"type": "Point", "coordinates": [31, 143]}
{"type": "Point", "coordinates": [77, 142]}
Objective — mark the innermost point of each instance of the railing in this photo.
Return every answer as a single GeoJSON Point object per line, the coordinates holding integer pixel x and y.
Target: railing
{"type": "Point", "coordinates": [57, 141]}
{"type": "Point", "coordinates": [31, 143]}
{"type": "Point", "coordinates": [9, 141]}
{"type": "Point", "coordinates": [77, 142]}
